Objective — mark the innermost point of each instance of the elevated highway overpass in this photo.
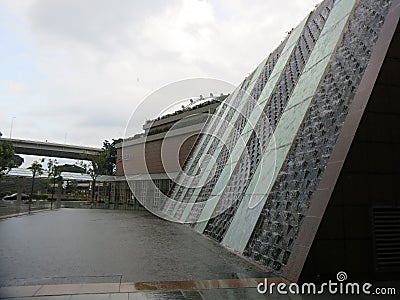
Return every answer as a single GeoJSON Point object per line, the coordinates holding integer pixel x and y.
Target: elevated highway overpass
{"type": "Point", "coordinates": [52, 149]}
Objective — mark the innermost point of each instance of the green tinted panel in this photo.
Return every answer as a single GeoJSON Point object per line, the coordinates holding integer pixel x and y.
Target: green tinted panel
{"type": "Point", "coordinates": [308, 82]}
{"type": "Point", "coordinates": [326, 44]}
{"type": "Point", "coordinates": [249, 210]}
{"type": "Point", "coordinates": [289, 124]}
{"type": "Point", "coordinates": [253, 119]}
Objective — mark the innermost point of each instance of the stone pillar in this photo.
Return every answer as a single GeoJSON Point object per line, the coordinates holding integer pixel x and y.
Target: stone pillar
{"type": "Point", "coordinates": [59, 189]}
{"type": "Point", "coordinates": [19, 195]}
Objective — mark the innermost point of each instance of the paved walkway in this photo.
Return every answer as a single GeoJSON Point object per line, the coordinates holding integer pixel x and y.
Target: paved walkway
{"type": "Point", "coordinates": [196, 289]}
{"type": "Point", "coordinates": [215, 294]}
{"type": "Point", "coordinates": [82, 251]}
{"type": "Point", "coordinates": [9, 208]}
{"type": "Point", "coordinates": [12, 215]}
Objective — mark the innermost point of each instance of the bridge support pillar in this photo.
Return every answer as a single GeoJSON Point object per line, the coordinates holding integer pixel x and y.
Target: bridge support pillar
{"type": "Point", "coordinates": [19, 194]}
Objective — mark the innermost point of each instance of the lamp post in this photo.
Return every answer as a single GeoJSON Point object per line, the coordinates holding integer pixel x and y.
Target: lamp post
{"type": "Point", "coordinates": [12, 123]}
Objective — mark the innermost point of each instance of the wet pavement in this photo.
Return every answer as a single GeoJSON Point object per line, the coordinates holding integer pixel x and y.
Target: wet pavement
{"type": "Point", "coordinates": [106, 254]}
{"type": "Point", "coordinates": [93, 246]}
{"type": "Point", "coordinates": [208, 289]}
{"type": "Point", "coordinates": [248, 294]}
{"type": "Point", "coordinates": [211, 294]}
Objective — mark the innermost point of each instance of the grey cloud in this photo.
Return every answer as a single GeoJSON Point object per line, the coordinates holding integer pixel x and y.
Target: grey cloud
{"type": "Point", "coordinates": [101, 58]}
{"type": "Point", "coordinates": [101, 120]}
{"type": "Point", "coordinates": [97, 22]}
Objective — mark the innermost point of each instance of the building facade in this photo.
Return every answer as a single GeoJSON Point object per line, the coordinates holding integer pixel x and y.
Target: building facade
{"type": "Point", "coordinates": [304, 180]}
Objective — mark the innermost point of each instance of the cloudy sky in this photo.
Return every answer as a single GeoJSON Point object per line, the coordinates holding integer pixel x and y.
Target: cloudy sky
{"type": "Point", "coordinates": [75, 70]}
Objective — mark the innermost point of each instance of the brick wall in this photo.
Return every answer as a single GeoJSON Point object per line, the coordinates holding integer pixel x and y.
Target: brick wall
{"type": "Point", "coordinates": [156, 156]}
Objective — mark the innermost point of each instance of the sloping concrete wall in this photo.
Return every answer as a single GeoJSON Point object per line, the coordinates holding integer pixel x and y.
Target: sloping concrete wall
{"type": "Point", "coordinates": [264, 169]}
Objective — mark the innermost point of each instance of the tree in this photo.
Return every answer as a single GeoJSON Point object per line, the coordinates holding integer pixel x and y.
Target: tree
{"type": "Point", "coordinates": [8, 159]}
{"type": "Point", "coordinates": [94, 168]}
{"type": "Point", "coordinates": [36, 169]}
{"type": "Point", "coordinates": [110, 152]}
{"type": "Point", "coordinates": [71, 187]}
{"type": "Point", "coordinates": [102, 164]}
{"type": "Point", "coordinates": [54, 173]}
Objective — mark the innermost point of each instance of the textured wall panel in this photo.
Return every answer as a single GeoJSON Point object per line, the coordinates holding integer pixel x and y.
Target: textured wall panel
{"type": "Point", "coordinates": [224, 140]}
{"type": "Point", "coordinates": [254, 182]}
{"type": "Point", "coordinates": [241, 167]}
{"type": "Point", "coordinates": [250, 208]}
{"type": "Point", "coordinates": [183, 190]}
{"type": "Point", "coordinates": [257, 144]}
{"type": "Point", "coordinates": [288, 201]}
